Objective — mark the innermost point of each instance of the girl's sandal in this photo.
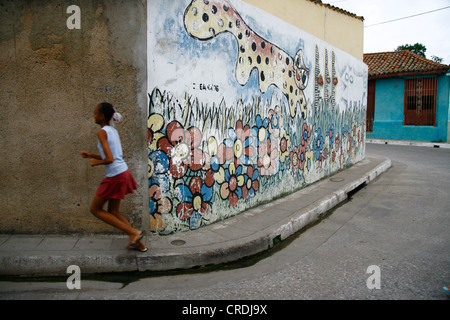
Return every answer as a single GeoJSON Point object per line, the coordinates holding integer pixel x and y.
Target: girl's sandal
{"type": "Point", "coordinates": [133, 245]}
{"type": "Point", "coordinates": [141, 250]}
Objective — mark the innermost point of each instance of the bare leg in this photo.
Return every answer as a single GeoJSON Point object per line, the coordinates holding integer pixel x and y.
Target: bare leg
{"type": "Point", "coordinates": [113, 208]}
{"type": "Point", "coordinates": [113, 219]}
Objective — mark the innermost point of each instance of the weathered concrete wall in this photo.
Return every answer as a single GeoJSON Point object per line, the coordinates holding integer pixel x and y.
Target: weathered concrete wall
{"type": "Point", "coordinates": [51, 79]}
{"type": "Point", "coordinates": [243, 108]}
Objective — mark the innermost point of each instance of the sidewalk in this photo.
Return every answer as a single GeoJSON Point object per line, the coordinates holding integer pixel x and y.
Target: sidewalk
{"type": "Point", "coordinates": [410, 143]}
{"type": "Point", "coordinates": [244, 235]}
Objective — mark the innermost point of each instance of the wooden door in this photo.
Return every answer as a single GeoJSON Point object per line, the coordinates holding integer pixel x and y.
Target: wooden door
{"type": "Point", "coordinates": [370, 106]}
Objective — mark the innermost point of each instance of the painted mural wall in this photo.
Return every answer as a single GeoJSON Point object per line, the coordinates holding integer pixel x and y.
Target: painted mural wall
{"type": "Point", "coordinates": [242, 108]}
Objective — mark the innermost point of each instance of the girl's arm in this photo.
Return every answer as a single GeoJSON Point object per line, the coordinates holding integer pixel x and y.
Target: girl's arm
{"type": "Point", "coordinates": [103, 138]}
{"type": "Point", "coordinates": [89, 155]}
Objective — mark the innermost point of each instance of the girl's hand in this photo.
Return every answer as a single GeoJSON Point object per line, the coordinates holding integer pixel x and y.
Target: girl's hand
{"type": "Point", "coordinates": [85, 154]}
{"type": "Point", "coordinates": [94, 162]}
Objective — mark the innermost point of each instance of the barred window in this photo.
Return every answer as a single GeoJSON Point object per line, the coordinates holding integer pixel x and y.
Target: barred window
{"type": "Point", "coordinates": [420, 101]}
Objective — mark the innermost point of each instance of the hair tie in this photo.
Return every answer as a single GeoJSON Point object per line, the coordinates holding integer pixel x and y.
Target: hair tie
{"type": "Point", "coordinates": [117, 116]}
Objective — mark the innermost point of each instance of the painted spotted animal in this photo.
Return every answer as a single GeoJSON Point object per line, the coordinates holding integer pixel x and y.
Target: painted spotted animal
{"type": "Point", "coordinates": [205, 19]}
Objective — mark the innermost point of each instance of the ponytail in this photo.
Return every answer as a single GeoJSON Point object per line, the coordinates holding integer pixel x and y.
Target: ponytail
{"type": "Point", "coordinates": [107, 109]}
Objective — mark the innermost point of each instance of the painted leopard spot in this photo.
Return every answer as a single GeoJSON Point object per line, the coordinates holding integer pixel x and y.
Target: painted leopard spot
{"type": "Point", "coordinates": [205, 19]}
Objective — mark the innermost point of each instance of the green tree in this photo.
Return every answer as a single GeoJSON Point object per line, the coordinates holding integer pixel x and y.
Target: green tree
{"type": "Point", "coordinates": [436, 59]}
{"type": "Point", "coordinates": [417, 48]}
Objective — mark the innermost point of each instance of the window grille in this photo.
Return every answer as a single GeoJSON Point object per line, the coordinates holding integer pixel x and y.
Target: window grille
{"type": "Point", "coordinates": [420, 101]}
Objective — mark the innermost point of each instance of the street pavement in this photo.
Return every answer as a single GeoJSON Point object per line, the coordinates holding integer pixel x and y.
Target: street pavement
{"type": "Point", "coordinates": [245, 235]}
{"type": "Point", "coordinates": [397, 223]}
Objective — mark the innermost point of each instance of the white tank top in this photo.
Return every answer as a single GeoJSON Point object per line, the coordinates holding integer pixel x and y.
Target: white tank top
{"type": "Point", "coordinates": [119, 165]}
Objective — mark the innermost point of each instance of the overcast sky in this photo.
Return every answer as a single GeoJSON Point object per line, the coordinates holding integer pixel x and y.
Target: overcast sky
{"type": "Point", "coordinates": [430, 29]}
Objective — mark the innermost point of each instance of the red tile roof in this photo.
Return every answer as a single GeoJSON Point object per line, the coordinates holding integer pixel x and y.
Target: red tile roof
{"type": "Point", "coordinates": [397, 63]}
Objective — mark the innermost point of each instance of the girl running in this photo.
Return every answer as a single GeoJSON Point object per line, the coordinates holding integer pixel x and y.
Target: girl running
{"type": "Point", "coordinates": [118, 182]}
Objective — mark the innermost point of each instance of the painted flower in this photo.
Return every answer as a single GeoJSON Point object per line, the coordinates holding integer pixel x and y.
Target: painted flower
{"type": "Point", "coordinates": [212, 164]}
{"type": "Point", "coordinates": [318, 143]}
{"type": "Point", "coordinates": [267, 158]}
{"type": "Point", "coordinates": [240, 142]}
{"type": "Point", "coordinates": [345, 130]}
{"type": "Point", "coordinates": [251, 183]}
{"type": "Point", "coordinates": [333, 157]}
{"type": "Point", "coordinates": [349, 143]}
{"type": "Point", "coordinates": [181, 146]}
{"type": "Point", "coordinates": [284, 145]}
{"type": "Point", "coordinates": [231, 181]}
{"type": "Point", "coordinates": [309, 161]}
{"type": "Point", "coordinates": [260, 130]}
{"type": "Point", "coordinates": [212, 160]}
{"type": "Point", "coordinates": [281, 170]}
{"type": "Point", "coordinates": [158, 205]}
{"type": "Point", "coordinates": [158, 165]}
{"type": "Point", "coordinates": [194, 201]}
{"type": "Point", "coordinates": [358, 136]}
{"type": "Point", "coordinates": [306, 133]}
{"type": "Point", "coordinates": [302, 156]}
{"type": "Point", "coordinates": [155, 123]}
{"type": "Point", "coordinates": [331, 135]}
{"type": "Point", "coordinates": [337, 142]}
{"type": "Point", "coordinates": [341, 159]}
{"type": "Point", "coordinates": [275, 121]}
{"type": "Point", "coordinates": [295, 158]}
{"type": "Point", "coordinates": [326, 147]}
{"type": "Point", "coordinates": [224, 153]}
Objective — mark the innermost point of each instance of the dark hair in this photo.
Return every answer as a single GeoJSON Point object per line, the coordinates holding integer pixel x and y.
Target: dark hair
{"type": "Point", "coordinates": [107, 110]}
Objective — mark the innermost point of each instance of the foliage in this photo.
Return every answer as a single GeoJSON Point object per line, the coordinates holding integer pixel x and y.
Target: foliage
{"type": "Point", "coordinates": [417, 48]}
{"type": "Point", "coordinates": [436, 59]}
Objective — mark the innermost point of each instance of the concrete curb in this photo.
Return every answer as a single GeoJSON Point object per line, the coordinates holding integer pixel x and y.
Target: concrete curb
{"type": "Point", "coordinates": [264, 239]}
{"type": "Point", "coordinates": [410, 143]}
{"type": "Point", "coordinates": [242, 236]}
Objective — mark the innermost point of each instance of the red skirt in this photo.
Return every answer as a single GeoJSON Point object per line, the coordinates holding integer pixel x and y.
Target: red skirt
{"type": "Point", "coordinates": [117, 187]}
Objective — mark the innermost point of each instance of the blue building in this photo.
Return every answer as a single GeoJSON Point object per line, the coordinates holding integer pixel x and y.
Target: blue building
{"type": "Point", "coordinates": [408, 97]}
